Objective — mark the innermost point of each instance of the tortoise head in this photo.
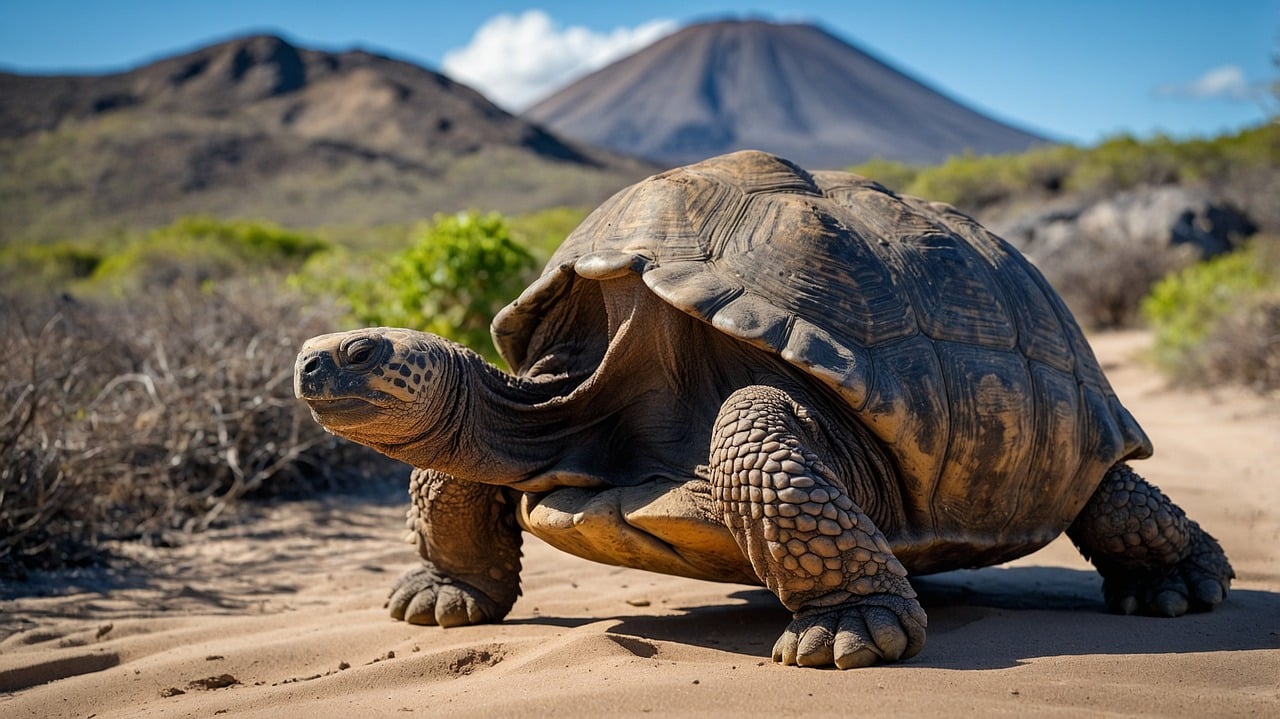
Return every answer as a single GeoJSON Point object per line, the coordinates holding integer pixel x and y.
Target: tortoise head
{"type": "Point", "coordinates": [383, 387]}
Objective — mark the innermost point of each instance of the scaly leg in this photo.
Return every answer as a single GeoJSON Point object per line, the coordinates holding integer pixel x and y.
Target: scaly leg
{"type": "Point", "coordinates": [808, 540]}
{"type": "Point", "coordinates": [1153, 560]}
{"type": "Point", "coordinates": [470, 546]}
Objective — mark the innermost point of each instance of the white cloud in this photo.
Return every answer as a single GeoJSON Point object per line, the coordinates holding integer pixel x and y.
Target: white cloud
{"type": "Point", "coordinates": [1225, 82]}
{"type": "Point", "coordinates": [516, 60]}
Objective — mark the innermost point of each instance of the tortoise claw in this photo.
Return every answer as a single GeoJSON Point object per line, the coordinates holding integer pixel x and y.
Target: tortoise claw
{"type": "Point", "coordinates": [879, 628]}
{"type": "Point", "coordinates": [425, 596]}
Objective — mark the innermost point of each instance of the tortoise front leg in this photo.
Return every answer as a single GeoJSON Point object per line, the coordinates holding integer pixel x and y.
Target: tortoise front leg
{"type": "Point", "coordinates": [470, 546]}
{"type": "Point", "coordinates": [808, 540]}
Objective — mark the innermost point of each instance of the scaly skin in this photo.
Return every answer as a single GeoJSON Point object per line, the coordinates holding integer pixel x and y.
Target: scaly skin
{"type": "Point", "coordinates": [808, 540]}
{"type": "Point", "coordinates": [470, 546]}
{"type": "Point", "coordinates": [1153, 560]}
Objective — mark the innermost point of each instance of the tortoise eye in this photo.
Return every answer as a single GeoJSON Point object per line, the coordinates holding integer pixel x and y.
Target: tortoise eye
{"type": "Point", "coordinates": [358, 351]}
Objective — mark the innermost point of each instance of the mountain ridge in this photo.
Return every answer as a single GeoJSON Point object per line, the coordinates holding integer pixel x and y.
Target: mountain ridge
{"type": "Point", "coordinates": [257, 127]}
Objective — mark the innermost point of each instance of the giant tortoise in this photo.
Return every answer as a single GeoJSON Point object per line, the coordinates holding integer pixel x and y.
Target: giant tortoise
{"type": "Point", "coordinates": [742, 371]}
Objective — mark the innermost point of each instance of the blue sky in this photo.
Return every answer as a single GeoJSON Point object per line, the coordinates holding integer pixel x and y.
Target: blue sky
{"type": "Point", "coordinates": [1077, 71]}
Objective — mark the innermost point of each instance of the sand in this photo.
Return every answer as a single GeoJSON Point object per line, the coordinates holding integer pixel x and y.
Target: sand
{"type": "Point", "coordinates": [283, 617]}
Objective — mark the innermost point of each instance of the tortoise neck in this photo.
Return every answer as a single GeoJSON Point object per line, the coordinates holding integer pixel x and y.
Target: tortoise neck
{"type": "Point", "coordinates": [493, 427]}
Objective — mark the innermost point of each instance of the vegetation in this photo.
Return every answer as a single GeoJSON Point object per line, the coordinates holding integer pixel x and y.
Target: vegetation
{"type": "Point", "coordinates": [138, 420]}
{"type": "Point", "coordinates": [193, 250]}
{"type": "Point", "coordinates": [33, 267]}
{"type": "Point", "coordinates": [1104, 288]}
{"type": "Point", "coordinates": [1219, 321]}
{"type": "Point", "coordinates": [460, 270]}
{"type": "Point", "coordinates": [542, 232]}
{"type": "Point", "coordinates": [202, 249]}
{"type": "Point", "coordinates": [973, 182]}
{"type": "Point", "coordinates": [147, 387]}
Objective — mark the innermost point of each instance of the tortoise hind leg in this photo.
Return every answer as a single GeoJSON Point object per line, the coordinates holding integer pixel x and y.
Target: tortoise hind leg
{"type": "Point", "coordinates": [1152, 558]}
{"type": "Point", "coordinates": [807, 539]}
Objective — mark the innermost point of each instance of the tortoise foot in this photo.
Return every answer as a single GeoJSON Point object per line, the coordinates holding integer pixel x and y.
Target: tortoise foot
{"type": "Point", "coordinates": [875, 629]}
{"type": "Point", "coordinates": [423, 595]}
{"type": "Point", "coordinates": [1152, 558]}
{"type": "Point", "coordinates": [1197, 583]}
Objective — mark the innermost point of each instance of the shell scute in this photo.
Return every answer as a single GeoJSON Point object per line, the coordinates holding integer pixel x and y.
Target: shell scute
{"type": "Point", "coordinates": [842, 365]}
{"type": "Point", "coordinates": [757, 172]}
{"type": "Point", "coordinates": [1055, 442]}
{"type": "Point", "coordinates": [1041, 334]}
{"type": "Point", "coordinates": [994, 409]}
{"type": "Point", "coordinates": [689, 287]}
{"type": "Point", "coordinates": [755, 320]}
{"type": "Point", "coordinates": [907, 408]}
{"type": "Point", "coordinates": [954, 292]}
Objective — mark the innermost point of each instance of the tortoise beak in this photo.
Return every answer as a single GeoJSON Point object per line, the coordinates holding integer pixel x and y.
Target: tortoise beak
{"type": "Point", "coordinates": [326, 370]}
{"type": "Point", "coordinates": [337, 398]}
{"type": "Point", "coordinates": [319, 374]}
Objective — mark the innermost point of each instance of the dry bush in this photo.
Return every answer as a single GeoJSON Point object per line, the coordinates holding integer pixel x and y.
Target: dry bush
{"type": "Point", "coordinates": [1244, 347]}
{"type": "Point", "coordinates": [51, 369]}
{"type": "Point", "coordinates": [134, 421]}
{"type": "Point", "coordinates": [1104, 285]}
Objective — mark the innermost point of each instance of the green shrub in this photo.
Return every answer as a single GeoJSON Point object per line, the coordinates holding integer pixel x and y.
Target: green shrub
{"type": "Point", "coordinates": [972, 182]}
{"type": "Point", "coordinates": [969, 180]}
{"type": "Point", "coordinates": [37, 267]}
{"type": "Point", "coordinates": [1244, 347]}
{"type": "Point", "coordinates": [542, 232]}
{"type": "Point", "coordinates": [1124, 161]}
{"type": "Point", "coordinates": [896, 176]}
{"type": "Point", "coordinates": [258, 241]}
{"type": "Point", "coordinates": [1188, 307]}
{"type": "Point", "coordinates": [202, 249]}
{"type": "Point", "coordinates": [462, 269]}
{"type": "Point", "coordinates": [1046, 169]}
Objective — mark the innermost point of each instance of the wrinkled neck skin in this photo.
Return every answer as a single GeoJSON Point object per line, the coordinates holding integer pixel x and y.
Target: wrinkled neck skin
{"type": "Point", "coordinates": [483, 424]}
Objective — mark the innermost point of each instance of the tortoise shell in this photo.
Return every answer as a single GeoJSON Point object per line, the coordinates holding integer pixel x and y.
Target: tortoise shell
{"type": "Point", "coordinates": [941, 338]}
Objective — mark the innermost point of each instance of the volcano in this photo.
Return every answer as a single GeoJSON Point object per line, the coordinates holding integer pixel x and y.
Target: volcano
{"type": "Point", "coordinates": [791, 89]}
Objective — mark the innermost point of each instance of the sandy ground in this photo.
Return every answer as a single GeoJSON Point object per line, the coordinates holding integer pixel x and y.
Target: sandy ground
{"type": "Point", "coordinates": [283, 617]}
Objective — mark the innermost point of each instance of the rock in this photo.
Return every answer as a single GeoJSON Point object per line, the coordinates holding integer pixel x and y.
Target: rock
{"type": "Point", "coordinates": [1103, 255]}
{"type": "Point", "coordinates": [1186, 222]}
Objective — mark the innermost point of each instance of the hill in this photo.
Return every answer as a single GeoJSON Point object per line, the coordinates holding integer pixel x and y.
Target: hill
{"type": "Point", "coordinates": [791, 89]}
{"type": "Point", "coordinates": [256, 127]}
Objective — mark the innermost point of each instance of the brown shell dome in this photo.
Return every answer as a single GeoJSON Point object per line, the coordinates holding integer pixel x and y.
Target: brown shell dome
{"type": "Point", "coordinates": [945, 341]}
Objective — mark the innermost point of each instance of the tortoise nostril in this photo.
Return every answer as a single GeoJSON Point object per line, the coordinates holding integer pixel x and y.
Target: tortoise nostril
{"type": "Point", "coordinates": [311, 365]}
